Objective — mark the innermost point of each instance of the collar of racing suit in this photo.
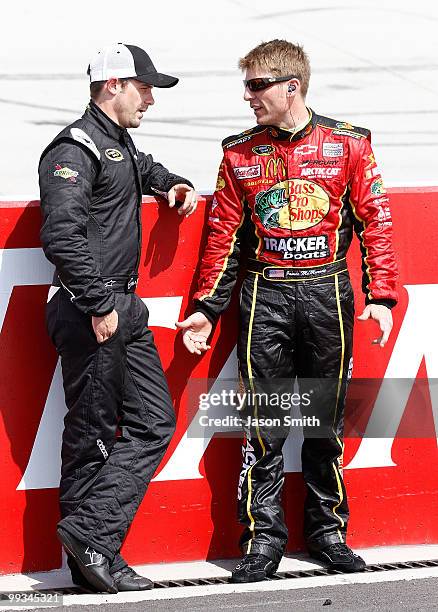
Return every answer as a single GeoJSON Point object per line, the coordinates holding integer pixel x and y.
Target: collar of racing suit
{"type": "Point", "coordinates": [101, 119]}
{"type": "Point", "coordinates": [280, 134]}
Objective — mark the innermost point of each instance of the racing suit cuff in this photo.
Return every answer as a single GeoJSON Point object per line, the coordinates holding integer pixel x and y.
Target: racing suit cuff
{"type": "Point", "coordinates": [104, 308]}
{"type": "Point", "coordinates": [199, 307]}
{"type": "Point", "coordinates": [389, 303]}
{"type": "Point", "coordinates": [181, 181]}
{"type": "Point", "coordinates": [101, 313]}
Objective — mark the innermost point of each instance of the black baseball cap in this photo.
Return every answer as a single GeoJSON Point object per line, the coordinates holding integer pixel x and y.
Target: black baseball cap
{"type": "Point", "coordinates": [127, 61]}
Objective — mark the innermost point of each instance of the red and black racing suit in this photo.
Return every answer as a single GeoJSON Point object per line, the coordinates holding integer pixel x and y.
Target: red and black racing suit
{"type": "Point", "coordinates": [292, 202]}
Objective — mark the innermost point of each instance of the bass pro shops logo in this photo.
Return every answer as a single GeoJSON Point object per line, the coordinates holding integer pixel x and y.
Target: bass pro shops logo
{"type": "Point", "coordinates": [294, 204]}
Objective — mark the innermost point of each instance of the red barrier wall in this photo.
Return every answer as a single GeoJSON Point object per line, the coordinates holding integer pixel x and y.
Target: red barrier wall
{"type": "Point", "coordinates": [189, 510]}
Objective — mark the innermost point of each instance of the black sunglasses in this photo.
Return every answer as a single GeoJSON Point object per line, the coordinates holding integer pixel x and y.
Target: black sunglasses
{"type": "Point", "coordinates": [261, 83]}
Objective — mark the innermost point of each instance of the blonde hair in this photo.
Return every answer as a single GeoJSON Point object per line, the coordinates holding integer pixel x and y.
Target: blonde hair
{"type": "Point", "coordinates": [279, 58]}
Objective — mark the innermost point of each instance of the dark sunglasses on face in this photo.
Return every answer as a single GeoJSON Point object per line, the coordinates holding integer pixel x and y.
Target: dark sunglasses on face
{"type": "Point", "coordinates": [261, 83]}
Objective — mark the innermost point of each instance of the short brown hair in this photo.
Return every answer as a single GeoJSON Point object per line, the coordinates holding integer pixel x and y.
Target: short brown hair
{"type": "Point", "coordinates": [97, 86]}
{"type": "Point", "coordinates": [96, 89]}
{"type": "Point", "coordinates": [279, 58]}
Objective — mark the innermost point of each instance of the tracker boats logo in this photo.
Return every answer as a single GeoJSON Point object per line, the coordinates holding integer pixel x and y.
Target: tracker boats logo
{"type": "Point", "coordinates": [304, 247]}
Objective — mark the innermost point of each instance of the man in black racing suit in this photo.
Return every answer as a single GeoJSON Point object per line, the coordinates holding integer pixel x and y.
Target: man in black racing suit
{"type": "Point", "coordinates": [92, 178]}
{"type": "Point", "coordinates": [290, 192]}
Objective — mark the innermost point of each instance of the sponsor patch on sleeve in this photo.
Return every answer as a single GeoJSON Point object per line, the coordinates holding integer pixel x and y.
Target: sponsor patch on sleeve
{"type": "Point", "coordinates": [64, 172]}
{"type": "Point", "coordinates": [343, 125]}
{"type": "Point", "coordinates": [384, 216]}
{"type": "Point", "coordinates": [349, 133]}
{"type": "Point", "coordinates": [220, 183]}
{"type": "Point", "coordinates": [377, 187]}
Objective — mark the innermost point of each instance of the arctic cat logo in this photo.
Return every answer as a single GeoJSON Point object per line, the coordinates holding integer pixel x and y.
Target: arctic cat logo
{"type": "Point", "coordinates": [306, 247]}
{"type": "Point", "coordinates": [323, 173]}
{"type": "Point", "coordinates": [292, 204]}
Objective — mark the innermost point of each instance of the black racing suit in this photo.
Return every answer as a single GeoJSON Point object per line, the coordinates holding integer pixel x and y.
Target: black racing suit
{"type": "Point", "coordinates": [92, 179]}
{"type": "Point", "coordinates": [291, 202]}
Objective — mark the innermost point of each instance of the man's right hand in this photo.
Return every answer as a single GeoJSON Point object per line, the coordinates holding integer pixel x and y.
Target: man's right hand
{"type": "Point", "coordinates": [196, 328]}
{"type": "Point", "coordinates": [105, 327]}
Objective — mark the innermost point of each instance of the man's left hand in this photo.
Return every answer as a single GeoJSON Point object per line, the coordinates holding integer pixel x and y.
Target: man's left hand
{"type": "Point", "coordinates": [185, 194]}
{"type": "Point", "coordinates": [383, 316]}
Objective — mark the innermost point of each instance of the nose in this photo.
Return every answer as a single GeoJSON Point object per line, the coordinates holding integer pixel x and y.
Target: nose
{"type": "Point", "coordinates": [248, 95]}
{"type": "Point", "coordinates": [149, 98]}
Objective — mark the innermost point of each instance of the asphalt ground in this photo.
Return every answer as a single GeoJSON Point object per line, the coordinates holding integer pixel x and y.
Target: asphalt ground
{"type": "Point", "coordinates": [374, 64]}
{"type": "Point", "coordinates": [418, 595]}
{"type": "Point", "coordinates": [398, 596]}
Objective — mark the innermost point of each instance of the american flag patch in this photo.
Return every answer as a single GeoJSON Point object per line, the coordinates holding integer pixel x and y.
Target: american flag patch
{"type": "Point", "coordinates": [275, 273]}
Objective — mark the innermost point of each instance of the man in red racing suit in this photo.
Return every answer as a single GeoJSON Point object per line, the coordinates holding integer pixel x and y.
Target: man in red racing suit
{"type": "Point", "coordinates": [290, 192]}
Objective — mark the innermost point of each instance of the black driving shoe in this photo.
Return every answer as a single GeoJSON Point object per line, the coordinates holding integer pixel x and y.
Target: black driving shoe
{"type": "Point", "coordinates": [340, 557]}
{"type": "Point", "coordinates": [77, 576]}
{"type": "Point", "coordinates": [253, 567]}
{"type": "Point", "coordinates": [127, 579]}
{"type": "Point", "coordinates": [93, 565]}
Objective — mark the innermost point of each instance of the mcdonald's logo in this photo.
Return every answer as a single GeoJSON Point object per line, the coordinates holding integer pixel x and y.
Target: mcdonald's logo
{"type": "Point", "coordinates": [278, 167]}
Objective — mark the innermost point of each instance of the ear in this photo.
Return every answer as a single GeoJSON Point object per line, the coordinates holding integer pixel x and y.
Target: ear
{"type": "Point", "coordinates": [111, 86]}
{"type": "Point", "coordinates": [292, 87]}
